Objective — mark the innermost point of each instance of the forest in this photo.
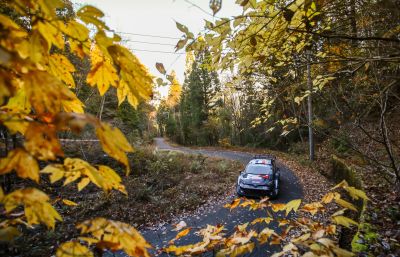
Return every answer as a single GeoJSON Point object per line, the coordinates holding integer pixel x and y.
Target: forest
{"type": "Point", "coordinates": [95, 162]}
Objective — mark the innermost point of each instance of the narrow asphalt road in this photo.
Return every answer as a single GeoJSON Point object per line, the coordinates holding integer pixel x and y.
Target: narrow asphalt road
{"type": "Point", "coordinates": [290, 189]}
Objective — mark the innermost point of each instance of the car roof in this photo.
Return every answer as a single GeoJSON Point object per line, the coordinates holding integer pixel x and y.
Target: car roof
{"type": "Point", "coordinates": [261, 162]}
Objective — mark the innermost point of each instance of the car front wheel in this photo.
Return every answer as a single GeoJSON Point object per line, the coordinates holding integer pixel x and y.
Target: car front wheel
{"type": "Point", "coordinates": [238, 191]}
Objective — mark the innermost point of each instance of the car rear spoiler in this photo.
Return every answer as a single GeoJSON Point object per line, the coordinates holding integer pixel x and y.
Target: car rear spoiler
{"type": "Point", "coordinates": [264, 156]}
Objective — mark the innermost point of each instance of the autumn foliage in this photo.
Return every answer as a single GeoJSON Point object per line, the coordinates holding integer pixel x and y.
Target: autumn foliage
{"type": "Point", "coordinates": [38, 101]}
{"type": "Point", "coordinates": [314, 238]}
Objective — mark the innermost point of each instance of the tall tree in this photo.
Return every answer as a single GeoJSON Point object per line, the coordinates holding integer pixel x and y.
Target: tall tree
{"type": "Point", "coordinates": [198, 101]}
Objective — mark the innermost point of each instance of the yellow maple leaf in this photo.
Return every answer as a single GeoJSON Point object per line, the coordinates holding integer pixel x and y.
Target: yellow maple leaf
{"type": "Point", "coordinates": [111, 179]}
{"type": "Point", "coordinates": [133, 72]}
{"type": "Point", "coordinates": [15, 122]}
{"type": "Point", "coordinates": [278, 207]}
{"type": "Point", "coordinates": [69, 202]}
{"type": "Point", "coordinates": [261, 220]}
{"type": "Point", "coordinates": [265, 235]}
{"type": "Point", "coordinates": [45, 92]}
{"type": "Point", "coordinates": [241, 238]}
{"type": "Point", "coordinates": [178, 250]}
{"type": "Point", "coordinates": [42, 142]}
{"type": "Point", "coordinates": [102, 73]}
{"type": "Point", "coordinates": [124, 91]}
{"type": "Point", "coordinates": [51, 33]}
{"type": "Point", "coordinates": [114, 143]}
{"type": "Point", "coordinates": [22, 162]}
{"type": "Point", "coordinates": [343, 183]}
{"type": "Point", "coordinates": [91, 15]}
{"type": "Point", "coordinates": [115, 236]}
{"type": "Point", "coordinates": [73, 249]}
{"type": "Point", "coordinates": [292, 206]}
{"type": "Point", "coordinates": [36, 206]}
{"type": "Point", "coordinates": [56, 172]}
{"type": "Point", "coordinates": [18, 103]}
{"type": "Point", "coordinates": [76, 30]}
{"type": "Point", "coordinates": [73, 105]}
{"type": "Point", "coordinates": [74, 169]}
{"type": "Point", "coordinates": [15, 113]}
{"type": "Point", "coordinates": [313, 208]}
{"type": "Point", "coordinates": [242, 249]}
{"type": "Point", "coordinates": [329, 197]}
{"type": "Point", "coordinates": [61, 67]}
{"type": "Point", "coordinates": [83, 183]}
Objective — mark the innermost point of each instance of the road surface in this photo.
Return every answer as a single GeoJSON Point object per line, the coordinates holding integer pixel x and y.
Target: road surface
{"type": "Point", "coordinates": [290, 189]}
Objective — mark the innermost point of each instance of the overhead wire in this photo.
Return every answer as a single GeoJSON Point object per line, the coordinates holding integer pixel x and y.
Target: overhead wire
{"type": "Point", "coordinates": [155, 51]}
{"type": "Point", "coordinates": [201, 9]}
{"type": "Point", "coordinates": [147, 35]}
{"type": "Point", "coordinates": [171, 65]}
{"type": "Point", "coordinates": [146, 42]}
{"type": "Point", "coordinates": [150, 43]}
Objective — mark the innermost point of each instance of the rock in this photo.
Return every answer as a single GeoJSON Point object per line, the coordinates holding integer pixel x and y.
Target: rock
{"type": "Point", "coordinates": [360, 241]}
{"type": "Point", "coordinates": [386, 245]}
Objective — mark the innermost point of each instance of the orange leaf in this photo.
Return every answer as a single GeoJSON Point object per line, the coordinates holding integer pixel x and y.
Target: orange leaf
{"type": "Point", "coordinates": [180, 234]}
{"type": "Point", "coordinates": [233, 204]}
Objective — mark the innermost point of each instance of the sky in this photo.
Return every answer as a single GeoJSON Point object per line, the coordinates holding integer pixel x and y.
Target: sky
{"type": "Point", "coordinates": [150, 30]}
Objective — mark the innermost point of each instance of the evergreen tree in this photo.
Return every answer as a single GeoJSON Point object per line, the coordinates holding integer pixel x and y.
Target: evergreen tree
{"type": "Point", "coordinates": [198, 102]}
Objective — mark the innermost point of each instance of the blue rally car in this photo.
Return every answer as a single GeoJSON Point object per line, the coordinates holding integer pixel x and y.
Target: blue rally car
{"type": "Point", "coordinates": [260, 178]}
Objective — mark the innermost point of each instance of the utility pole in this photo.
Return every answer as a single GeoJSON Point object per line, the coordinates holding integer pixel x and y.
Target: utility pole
{"type": "Point", "coordinates": [310, 110]}
{"type": "Point", "coordinates": [103, 99]}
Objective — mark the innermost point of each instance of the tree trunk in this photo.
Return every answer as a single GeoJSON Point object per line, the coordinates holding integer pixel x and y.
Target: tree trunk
{"type": "Point", "coordinates": [310, 110]}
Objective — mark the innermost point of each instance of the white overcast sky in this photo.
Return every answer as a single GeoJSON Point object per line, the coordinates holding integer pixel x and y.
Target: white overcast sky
{"type": "Point", "coordinates": [157, 18]}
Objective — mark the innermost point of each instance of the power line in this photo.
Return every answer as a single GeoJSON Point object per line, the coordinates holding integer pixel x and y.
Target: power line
{"type": "Point", "coordinates": [150, 43]}
{"type": "Point", "coordinates": [176, 59]}
{"type": "Point", "coordinates": [147, 35]}
{"type": "Point", "coordinates": [154, 51]}
{"type": "Point", "coordinates": [201, 9]}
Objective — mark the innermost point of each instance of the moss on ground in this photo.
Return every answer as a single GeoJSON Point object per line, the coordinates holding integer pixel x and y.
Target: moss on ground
{"type": "Point", "coordinates": [365, 236]}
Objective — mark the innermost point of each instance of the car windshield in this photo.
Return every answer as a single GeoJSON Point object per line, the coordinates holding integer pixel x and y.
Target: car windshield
{"type": "Point", "coordinates": [259, 169]}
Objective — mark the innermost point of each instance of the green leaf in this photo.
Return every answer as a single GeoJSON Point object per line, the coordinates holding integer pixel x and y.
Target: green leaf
{"type": "Point", "coordinates": [356, 193]}
{"type": "Point", "coordinates": [182, 27]}
{"type": "Point", "coordinates": [159, 81]}
{"type": "Point", "coordinates": [345, 204]}
{"type": "Point", "coordinates": [344, 221]}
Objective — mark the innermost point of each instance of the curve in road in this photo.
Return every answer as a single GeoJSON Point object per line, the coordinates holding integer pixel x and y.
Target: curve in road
{"type": "Point", "coordinates": [290, 189]}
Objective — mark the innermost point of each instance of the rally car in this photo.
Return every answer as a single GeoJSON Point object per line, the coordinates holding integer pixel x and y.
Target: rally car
{"type": "Point", "coordinates": [260, 178]}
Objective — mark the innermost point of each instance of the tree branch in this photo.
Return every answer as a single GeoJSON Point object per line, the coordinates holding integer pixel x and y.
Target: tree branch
{"type": "Point", "coordinates": [324, 35]}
